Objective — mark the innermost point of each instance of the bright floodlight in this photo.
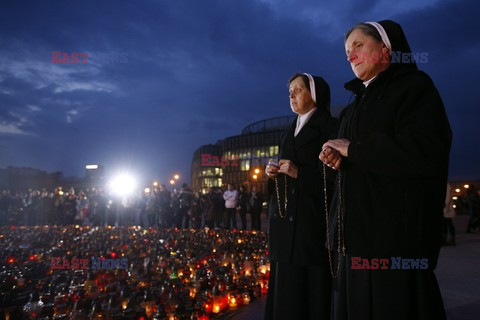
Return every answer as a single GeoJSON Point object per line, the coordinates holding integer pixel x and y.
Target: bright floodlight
{"type": "Point", "coordinates": [123, 185]}
{"type": "Point", "coordinates": [91, 166]}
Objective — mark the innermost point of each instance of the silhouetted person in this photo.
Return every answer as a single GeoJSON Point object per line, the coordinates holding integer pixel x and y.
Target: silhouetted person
{"type": "Point", "coordinates": [243, 204]}
{"type": "Point", "coordinates": [473, 201]}
{"type": "Point", "coordinates": [185, 204]}
{"type": "Point", "coordinates": [255, 203]}
{"type": "Point", "coordinates": [448, 215]}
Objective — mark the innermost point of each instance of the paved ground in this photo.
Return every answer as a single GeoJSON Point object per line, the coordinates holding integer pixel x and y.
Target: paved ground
{"type": "Point", "coordinates": [458, 274]}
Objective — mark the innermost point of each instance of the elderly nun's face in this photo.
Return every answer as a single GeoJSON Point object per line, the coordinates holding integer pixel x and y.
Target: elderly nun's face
{"type": "Point", "coordinates": [366, 55]}
{"type": "Point", "coordinates": [300, 98]}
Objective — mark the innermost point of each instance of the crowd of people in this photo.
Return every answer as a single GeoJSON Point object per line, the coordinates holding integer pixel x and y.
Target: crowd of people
{"type": "Point", "coordinates": [159, 207]}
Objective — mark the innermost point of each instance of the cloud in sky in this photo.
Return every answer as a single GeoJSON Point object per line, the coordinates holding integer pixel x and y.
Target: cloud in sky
{"type": "Point", "coordinates": [165, 77]}
{"type": "Point", "coordinates": [11, 128]}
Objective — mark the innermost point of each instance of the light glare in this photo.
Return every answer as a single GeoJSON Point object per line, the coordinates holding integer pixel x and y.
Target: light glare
{"type": "Point", "coordinates": [123, 185]}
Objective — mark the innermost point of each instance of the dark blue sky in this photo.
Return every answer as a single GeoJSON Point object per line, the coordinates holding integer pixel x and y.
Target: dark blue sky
{"type": "Point", "coordinates": [165, 77]}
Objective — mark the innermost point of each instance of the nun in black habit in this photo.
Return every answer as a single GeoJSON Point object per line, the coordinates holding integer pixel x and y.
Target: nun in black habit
{"type": "Point", "coordinates": [300, 280]}
{"type": "Point", "coordinates": [392, 149]}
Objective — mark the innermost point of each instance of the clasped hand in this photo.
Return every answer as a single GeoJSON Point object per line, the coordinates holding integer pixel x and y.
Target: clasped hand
{"type": "Point", "coordinates": [284, 166]}
{"type": "Point", "coordinates": [332, 152]}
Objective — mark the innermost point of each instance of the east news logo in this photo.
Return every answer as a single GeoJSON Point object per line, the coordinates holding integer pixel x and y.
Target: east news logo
{"type": "Point", "coordinates": [359, 263]}
{"type": "Point", "coordinates": [96, 263]}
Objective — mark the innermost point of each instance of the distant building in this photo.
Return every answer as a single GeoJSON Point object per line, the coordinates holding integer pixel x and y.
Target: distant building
{"type": "Point", "coordinates": [19, 179]}
{"type": "Point", "coordinates": [240, 159]}
{"type": "Point", "coordinates": [22, 179]}
{"type": "Point", "coordinates": [94, 176]}
{"type": "Point", "coordinates": [204, 177]}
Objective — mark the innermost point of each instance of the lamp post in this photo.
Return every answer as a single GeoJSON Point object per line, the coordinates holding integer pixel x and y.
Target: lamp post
{"type": "Point", "coordinates": [174, 180]}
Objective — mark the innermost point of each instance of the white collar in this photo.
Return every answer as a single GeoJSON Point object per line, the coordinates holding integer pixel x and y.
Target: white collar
{"type": "Point", "coordinates": [302, 119]}
{"type": "Point", "coordinates": [366, 83]}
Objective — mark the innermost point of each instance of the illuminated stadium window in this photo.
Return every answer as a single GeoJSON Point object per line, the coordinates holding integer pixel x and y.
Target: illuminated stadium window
{"type": "Point", "coordinates": [272, 151]}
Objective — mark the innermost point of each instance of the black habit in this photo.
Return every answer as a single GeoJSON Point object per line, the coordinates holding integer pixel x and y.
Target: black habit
{"type": "Point", "coordinates": [300, 280]}
{"type": "Point", "coordinates": [393, 185]}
